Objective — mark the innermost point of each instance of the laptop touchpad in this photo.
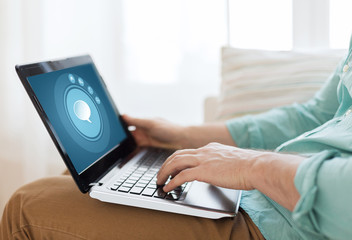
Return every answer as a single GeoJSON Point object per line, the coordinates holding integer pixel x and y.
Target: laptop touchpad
{"type": "Point", "coordinates": [208, 196]}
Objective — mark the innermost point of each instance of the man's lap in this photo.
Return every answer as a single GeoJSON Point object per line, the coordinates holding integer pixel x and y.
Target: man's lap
{"type": "Point", "coordinates": [54, 208]}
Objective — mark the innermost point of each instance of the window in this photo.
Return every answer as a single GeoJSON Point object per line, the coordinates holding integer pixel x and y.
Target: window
{"type": "Point", "coordinates": [261, 24]}
{"type": "Point", "coordinates": [172, 42]}
{"type": "Point", "coordinates": [286, 24]}
{"type": "Point", "coordinates": [340, 23]}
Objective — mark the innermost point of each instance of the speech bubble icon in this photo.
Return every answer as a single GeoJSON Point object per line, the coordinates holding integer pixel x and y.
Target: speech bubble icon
{"type": "Point", "coordinates": [82, 110]}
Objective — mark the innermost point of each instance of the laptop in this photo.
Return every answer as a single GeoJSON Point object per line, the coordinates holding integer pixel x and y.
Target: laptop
{"type": "Point", "coordinates": [98, 149]}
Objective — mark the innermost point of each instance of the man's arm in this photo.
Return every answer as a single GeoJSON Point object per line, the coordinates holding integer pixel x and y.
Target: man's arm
{"type": "Point", "coordinates": [218, 164]}
{"type": "Point", "coordinates": [161, 133]}
{"type": "Point", "coordinates": [230, 167]}
{"type": "Point", "coordinates": [198, 136]}
{"type": "Point", "coordinates": [274, 176]}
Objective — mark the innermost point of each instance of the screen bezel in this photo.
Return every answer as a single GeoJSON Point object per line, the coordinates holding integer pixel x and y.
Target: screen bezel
{"type": "Point", "coordinates": [96, 171]}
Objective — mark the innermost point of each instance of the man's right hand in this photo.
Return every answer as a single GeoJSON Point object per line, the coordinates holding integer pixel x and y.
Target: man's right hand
{"type": "Point", "coordinates": [157, 133]}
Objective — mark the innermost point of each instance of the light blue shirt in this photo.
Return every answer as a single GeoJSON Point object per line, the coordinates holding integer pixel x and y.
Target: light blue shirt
{"type": "Point", "coordinates": [320, 129]}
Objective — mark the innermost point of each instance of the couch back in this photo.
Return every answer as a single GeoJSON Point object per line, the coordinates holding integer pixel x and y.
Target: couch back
{"type": "Point", "coordinates": [254, 81]}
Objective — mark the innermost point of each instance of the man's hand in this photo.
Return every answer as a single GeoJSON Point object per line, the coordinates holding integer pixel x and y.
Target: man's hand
{"type": "Point", "coordinates": [161, 133]}
{"type": "Point", "coordinates": [216, 164]}
{"type": "Point", "coordinates": [230, 167]}
{"type": "Point", "coordinates": [157, 133]}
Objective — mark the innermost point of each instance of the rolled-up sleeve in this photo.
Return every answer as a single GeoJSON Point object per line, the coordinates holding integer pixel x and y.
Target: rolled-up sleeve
{"type": "Point", "coordinates": [271, 129]}
{"type": "Point", "coordinates": [324, 182]}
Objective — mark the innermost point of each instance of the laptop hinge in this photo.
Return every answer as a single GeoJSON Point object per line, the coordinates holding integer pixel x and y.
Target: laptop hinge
{"type": "Point", "coordinates": [95, 184]}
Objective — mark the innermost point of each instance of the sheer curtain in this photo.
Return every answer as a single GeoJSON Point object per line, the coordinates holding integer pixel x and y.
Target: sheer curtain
{"type": "Point", "coordinates": [34, 31]}
{"type": "Point", "coordinates": [158, 58]}
{"type": "Point", "coordinates": [26, 30]}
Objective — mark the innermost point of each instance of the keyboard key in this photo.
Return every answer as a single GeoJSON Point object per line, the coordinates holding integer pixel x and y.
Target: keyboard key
{"type": "Point", "coordinates": [137, 175]}
{"type": "Point", "coordinates": [143, 182]}
{"type": "Point", "coordinates": [136, 190]}
{"type": "Point", "coordinates": [148, 192]}
{"type": "Point", "coordinates": [152, 185]}
{"type": "Point", "coordinates": [148, 175]}
{"type": "Point", "coordinates": [142, 169]}
{"type": "Point", "coordinates": [126, 184]}
{"type": "Point", "coordinates": [135, 179]}
{"type": "Point", "coordinates": [145, 179]}
{"type": "Point", "coordinates": [169, 196]}
{"type": "Point", "coordinates": [176, 196]}
{"type": "Point", "coordinates": [130, 181]}
{"type": "Point", "coordinates": [177, 190]}
{"type": "Point", "coordinates": [153, 181]}
{"type": "Point", "coordinates": [160, 193]}
{"type": "Point", "coordinates": [126, 175]}
{"type": "Point", "coordinates": [142, 185]}
{"type": "Point", "coordinates": [173, 196]}
{"type": "Point", "coordinates": [124, 189]}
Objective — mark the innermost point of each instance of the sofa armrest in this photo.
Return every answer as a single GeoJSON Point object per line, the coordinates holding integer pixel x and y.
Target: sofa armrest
{"type": "Point", "coordinates": [210, 108]}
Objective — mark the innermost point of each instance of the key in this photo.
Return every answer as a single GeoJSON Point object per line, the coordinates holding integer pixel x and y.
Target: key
{"type": "Point", "coordinates": [124, 189]}
{"type": "Point", "coordinates": [160, 193]}
{"type": "Point", "coordinates": [141, 185]}
{"type": "Point", "coordinates": [148, 192]}
{"type": "Point", "coordinates": [126, 184]}
{"type": "Point", "coordinates": [136, 190]}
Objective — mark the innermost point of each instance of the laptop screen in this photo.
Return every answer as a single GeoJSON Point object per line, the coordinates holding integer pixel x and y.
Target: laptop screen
{"type": "Point", "coordinates": [80, 113]}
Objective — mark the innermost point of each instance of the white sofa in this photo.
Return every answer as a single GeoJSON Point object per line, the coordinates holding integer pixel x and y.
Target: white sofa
{"type": "Point", "coordinates": [254, 81]}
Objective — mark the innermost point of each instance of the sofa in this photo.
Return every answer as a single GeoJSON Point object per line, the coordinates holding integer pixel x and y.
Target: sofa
{"type": "Point", "coordinates": [254, 81]}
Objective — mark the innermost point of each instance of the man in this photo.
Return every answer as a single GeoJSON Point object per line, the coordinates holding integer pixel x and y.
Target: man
{"type": "Point", "coordinates": [298, 186]}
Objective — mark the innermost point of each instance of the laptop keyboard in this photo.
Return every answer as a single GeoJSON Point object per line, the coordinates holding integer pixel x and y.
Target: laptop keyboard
{"type": "Point", "coordinates": [141, 178]}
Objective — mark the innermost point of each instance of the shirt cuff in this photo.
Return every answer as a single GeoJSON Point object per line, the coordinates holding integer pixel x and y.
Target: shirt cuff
{"type": "Point", "coordinates": [306, 184]}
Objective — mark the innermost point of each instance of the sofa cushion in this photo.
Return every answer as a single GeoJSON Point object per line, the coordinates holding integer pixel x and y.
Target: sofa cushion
{"type": "Point", "coordinates": [254, 81]}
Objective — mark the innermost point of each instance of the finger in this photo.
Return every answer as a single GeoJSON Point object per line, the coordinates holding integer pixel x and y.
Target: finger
{"type": "Point", "coordinates": [140, 138]}
{"type": "Point", "coordinates": [138, 122]}
{"type": "Point", "coordinates": [177, 165]}
{"type": "Point", "coordinates": [178, 153]}
{"type": "Point", "coordinates": [187, 175]}
{"type": "Point", "coordinates": [175, 154]}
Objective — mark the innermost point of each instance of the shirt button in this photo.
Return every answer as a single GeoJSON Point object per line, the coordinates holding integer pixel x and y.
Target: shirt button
{"type": "Point", "coordinates": [348, 112]}
{"type": "Point", "coordinates": [345, 68]}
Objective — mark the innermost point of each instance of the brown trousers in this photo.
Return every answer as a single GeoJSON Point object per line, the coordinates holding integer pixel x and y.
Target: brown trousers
{"type": "Point", "coordinates": [54, 208]}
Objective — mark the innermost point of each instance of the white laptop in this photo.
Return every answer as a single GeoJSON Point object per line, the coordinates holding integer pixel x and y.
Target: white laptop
{"type": "Point", "coordinates": [98, 149]}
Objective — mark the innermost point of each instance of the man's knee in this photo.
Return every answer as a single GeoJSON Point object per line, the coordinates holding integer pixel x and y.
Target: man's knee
{"type": "Point", "coordinates": [18, 212]}
{"type": "Point", "coordinates": [11, 218]}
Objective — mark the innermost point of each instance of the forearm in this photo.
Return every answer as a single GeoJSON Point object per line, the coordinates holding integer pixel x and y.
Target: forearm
{"type": "Point", "coordinates": [273, 174]}
{"type": "Point", "coordinates": [270, 129]}
{"type": "Point", "coordinates": [198, 136]}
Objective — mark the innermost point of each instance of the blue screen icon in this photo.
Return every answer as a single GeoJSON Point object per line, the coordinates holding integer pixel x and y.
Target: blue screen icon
{"type": "Point", "coordinates": [83, 113]}
{"type": "Point", "coordinates": [90, 90]}
{"type": "Point", "coordinates": [71, 78]}
{"type": "Point", "coordinates": [81, 82]}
